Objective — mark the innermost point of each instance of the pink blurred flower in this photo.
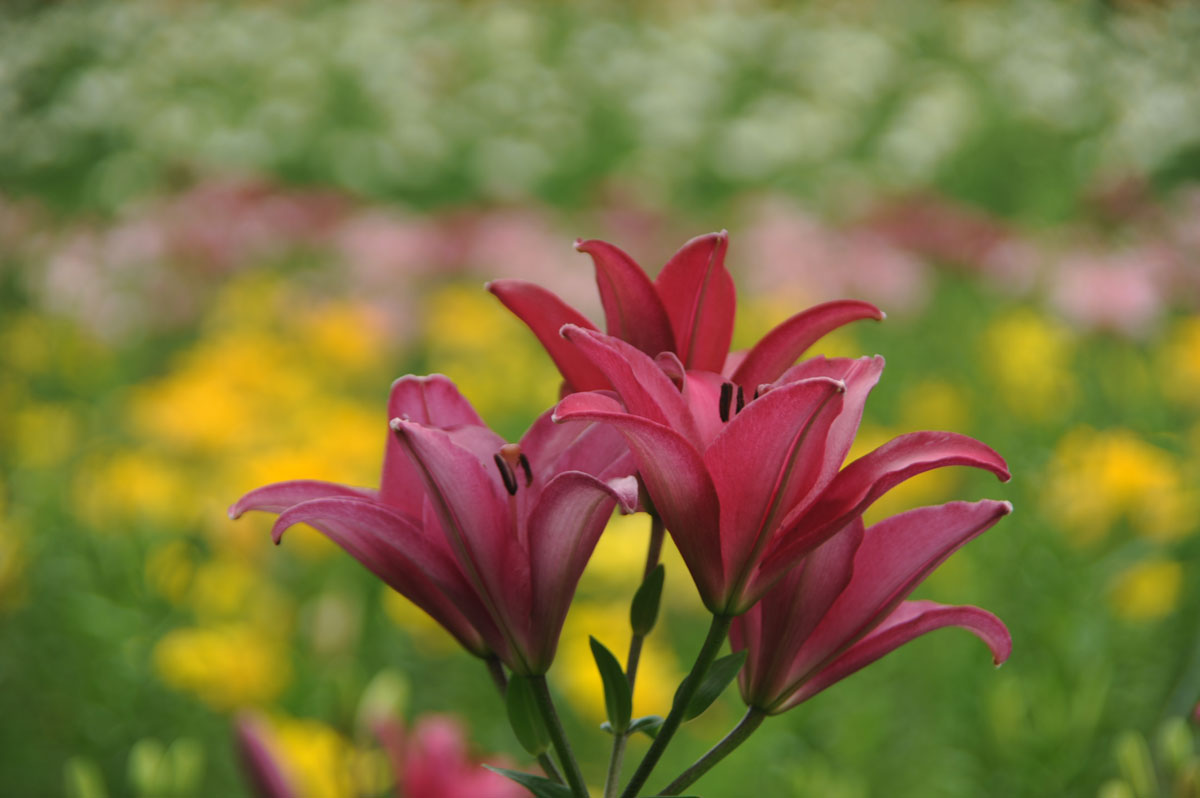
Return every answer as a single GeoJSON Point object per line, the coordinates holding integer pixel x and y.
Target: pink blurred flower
{"type": "Point", "coordinates": [433, 762]}
{"type": "Point", "coordinates": [1121, 293]}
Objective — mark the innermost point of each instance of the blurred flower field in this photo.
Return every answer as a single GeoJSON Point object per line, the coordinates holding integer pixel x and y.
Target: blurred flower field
{"type": "Point", "coordinates": [225, 228]}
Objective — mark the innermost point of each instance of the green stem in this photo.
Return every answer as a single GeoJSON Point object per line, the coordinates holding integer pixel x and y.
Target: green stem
{"type": "Point", "coordinates": [496, 671]}
{"type": "Point", "coordinates": [704, 660]}
{"type": "Point", "coordinates": [749, 722]}
{"type": "Point", "coordinates": [653, 554]}
{"type": "Point", "coordinates": [558, 737]}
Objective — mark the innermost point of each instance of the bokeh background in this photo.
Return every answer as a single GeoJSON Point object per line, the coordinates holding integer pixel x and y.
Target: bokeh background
{"type": "Point", "coordinates": [225, 227]}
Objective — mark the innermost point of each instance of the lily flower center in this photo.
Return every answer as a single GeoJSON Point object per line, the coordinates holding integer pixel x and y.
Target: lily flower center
{"type": "Point", "coordinates": [507, 460]}
{"type": "Point", "coordinates": [726, 401]}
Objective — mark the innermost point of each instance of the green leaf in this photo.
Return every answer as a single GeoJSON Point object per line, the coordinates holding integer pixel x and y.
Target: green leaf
{"type": "Point", "coordinates": [647, 725]}
{"type": "Point", "coordinates": [722, 672]}
{"type": "Point", "coordinates": [644, 610]}
{"type": "Point", "coordinates": [618, 698]}
{"type": "Point", "coordinates": [538, 785]}
{"type": "Point", "coordinates": [524, 716]}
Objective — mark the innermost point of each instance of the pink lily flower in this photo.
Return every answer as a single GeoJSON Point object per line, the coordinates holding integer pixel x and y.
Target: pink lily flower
{"type": "Point", "coordinates": [432, 761]}
{"type": "Point", "coordinates": [843, 607]}
{"type": "Point", "coordinates": [749, 485]}
{"type": "Point", "coordinates": [489, 538]}
{"type": "Point", "coordinates": [687, 311]}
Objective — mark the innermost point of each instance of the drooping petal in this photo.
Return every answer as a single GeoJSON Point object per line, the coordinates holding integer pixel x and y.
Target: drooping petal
{"type": "Point", "coordinates": [895, 556]}
{"type": "Point", "coordinates": [563, 529]}
{"type": "Point", "coordinates": [869, 477]}
{"type": "Point", "coordinates": [783, 345]}
{"type": "Point", "coordinates": [633, 311]}
{"type": "Point", "coordinates": [277, 497]}
{"type": "Point", "coordinates": [474, 512]}
{"type": "Point", "coordinates": [433, 400]}
{"type": "Point", "coordinates": [699, 296]}
{"type": "Point", "coordinates": [908, 621]}
{"type": "Point", "coordinates": [793, 608]}
{"type": "Point", "coordinates": [765, 460]}
{"type": "Point", "coordinates": [390, 546]}
{"type": "Point", "coordinates": [545, 314]}
{"type": "Point", "coordinates": [637, 379]}
{"type": "Point", "coordinates": [678, 483]}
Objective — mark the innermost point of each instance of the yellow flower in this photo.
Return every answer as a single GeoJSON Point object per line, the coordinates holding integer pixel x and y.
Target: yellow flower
{"type": "Point", "coordinates": [619, 559]}
{"type": "Point", "coordinates": [137, 487]}
{"type": "Point", "coordinates": [315, 756]}
{"type": "Point", "coordinates": [169, 570]}
{"type": "Point", "coordinates": [1147, 590]}
{"type": "Point", "coordinates": [495, 361]}
{"type": "Point", "coordinates": [934, 404]}
{"type": "Point", "coordinates": [658, 672]}
{"type": "Point", "coordinates": [1098, 478]}
{"type": "Point", "coordinates": [226, 666]}
{"type": "Point", "coordinates": [44, 435]}
{"type": "Point", "coordinates": [1179, 363]}
{"type": "Point", "coordinates": [1028, 356]}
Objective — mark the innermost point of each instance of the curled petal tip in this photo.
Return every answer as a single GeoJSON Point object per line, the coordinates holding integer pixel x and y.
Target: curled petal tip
{"type": "Point", "coordinates": [233, 513]}
{"type": "Point", "coordinates": [840, 386]}
{"type": "Point", "coordinates": [567, 330]}
{"type": "Point", "coordinates": [1006, 507]}
{"type": "Point", "coordinates": [578, 245]}
{"type": "Point", "coordinates": [395, 424]}
{"type": "Point", "coordinates": [882, 315]}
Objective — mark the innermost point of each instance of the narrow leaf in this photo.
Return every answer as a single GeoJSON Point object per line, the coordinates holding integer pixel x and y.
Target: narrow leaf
{"type": "Point", "coordinates": [538, 785]}
{"type": "Point", "coordinates": [647, 725]}
{"type": "Point", "coordinates": [722, 672]}
{"type": "Point", "coordinates": [524, 717]}
{"type": "Point", "coordinates": [644, 610]}
{"type": "Point", "coordinates": [618, 698]}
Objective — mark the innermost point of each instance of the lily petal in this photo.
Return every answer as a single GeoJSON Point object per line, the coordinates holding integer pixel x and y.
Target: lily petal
{"type": "Point", "coordinates": [392, 548]}
{"type": "Point", "coordinates": [675, 475]}
{"type": "Point", "coordinates": [563, 529]}
{"type": "Point", "coordinates": [908, 621]}
{"type": "Point", "coordinates": [895, 556]}
{"type": "Point", "coordinates": [641, 384]}
{"type": "Point", "coordinates": [859, 484]}
{"type": "Point", "coordinates": [633, 310]}
{"type": "Point", "coordinates": [280, 496]}
{"type": "Point", "coordinates": [765, 460]}
{"type": "Point", "coordinates": [545, 314]}
{"type": "Point", "coordinates": [781, 347]}
{"type": "Point", "coordinates": [699, 296]}
{"type": "Point", "coordinates": [473, 509]}
{"type": "Point", "coordinates": [433, 400]}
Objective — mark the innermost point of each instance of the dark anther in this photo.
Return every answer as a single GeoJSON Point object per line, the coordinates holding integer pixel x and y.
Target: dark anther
{"type": "Point", "coordinates": [755, 393]}
{"type": "Point", "coordinates": [528, 471]}
{"type": "Point", "coordinates": [726, 400]}
{"type": "Point", "coordinates": [741, 399]}
{"type": "Point", "coordinates": [506, 474]}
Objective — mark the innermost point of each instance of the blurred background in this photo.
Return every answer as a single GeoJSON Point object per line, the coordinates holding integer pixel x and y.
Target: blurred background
{"type": "Point", "coordinates": [226, 227]}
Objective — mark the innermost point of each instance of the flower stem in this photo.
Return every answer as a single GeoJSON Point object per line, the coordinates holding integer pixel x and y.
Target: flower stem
{"type": "Point", "coordinates": [653, 554]}
{"type": "Point", "coordinates": [558, 736]}
{"type": "Point", "coordinates": [496, 671]}
{"type": "Point", "coordinates": [704, 660]}
{"type": "Point", "coordinates": [746, 726]}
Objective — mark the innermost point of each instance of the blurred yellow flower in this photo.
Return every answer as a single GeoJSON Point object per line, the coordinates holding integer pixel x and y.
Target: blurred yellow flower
{"type": "Point", "coordinates": [226, 666]}
{"type": "Point", "coordinates": [491, 356]}
{"type": "Point", "coordinates": [133, 488]}
{"type": "Point", "coordinates": [934, 404]}
{"type": "Point", "coordinates": [169, 570]}
{"type": "Point", "coordinates": [1179, 363]}
{"type": "Point", "coordinates": [430, 635]}
{"type": "Point", "coordinates": [619, 559]}
{"type": "Point", "coordinates": [315, 757]}
{"type": "Point", "coordinates": [44, 435]}
{"type": "Point", "coordinates": [1099, 477]}
{"type": "Point", "coordinates": [575, 669]}
{"type": "Point", "coordinates": [1028, 356]}
{"type": "Point", "coordinates": [13, 559]}
{"type": "Point", "coordinates": [1147, 590]}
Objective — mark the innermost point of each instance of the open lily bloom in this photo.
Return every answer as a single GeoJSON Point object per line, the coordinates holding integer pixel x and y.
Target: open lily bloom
{"type": "Point", "coordinates": [489, 538]}
{"type": "Point", "coordinates": [843, 607]}
{"type": "Point", "coordinates": [749, 485]}
{"type": "Point", "coordinates": [688, 310]}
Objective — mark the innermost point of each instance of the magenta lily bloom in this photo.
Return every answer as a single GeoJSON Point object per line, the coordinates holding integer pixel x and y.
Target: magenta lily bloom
{"type": "Point", "coordinates": [843, 607]}
{"type": "Point", "coordinates": [687, 311]}
{"type": "Point", "coordinates": [489, 538]}
{"type": "Point", "coordinates": [749, 485]}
